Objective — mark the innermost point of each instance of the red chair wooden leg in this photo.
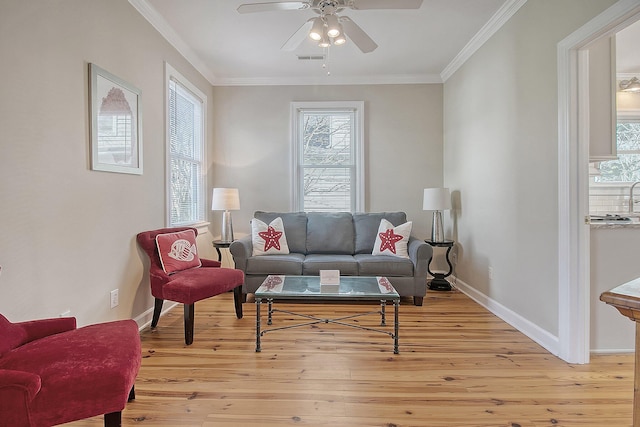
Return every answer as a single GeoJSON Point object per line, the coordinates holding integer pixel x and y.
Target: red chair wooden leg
{"type": "Point", "coordinates": [189, 311]}
{"type": "Point", "coordinates": [113, 419]}
{"type": "Point", "coordinates": [237, 299]}
{"type": "Point", "coordinates": [157, 309]}
{"type": "Point", "coordinates": [132, 394]}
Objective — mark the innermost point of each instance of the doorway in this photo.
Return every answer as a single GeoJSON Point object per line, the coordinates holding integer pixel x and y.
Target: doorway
{"type": "Point", "coordinates": [573, 155]}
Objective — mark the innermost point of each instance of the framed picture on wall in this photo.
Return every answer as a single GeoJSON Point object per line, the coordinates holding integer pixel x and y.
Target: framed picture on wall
{"type": "Point", "coordinates": [116, 123]}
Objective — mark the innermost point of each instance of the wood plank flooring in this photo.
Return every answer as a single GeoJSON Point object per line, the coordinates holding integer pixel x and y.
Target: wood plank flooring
{"type": "Point", "coordinates": [458, 366]}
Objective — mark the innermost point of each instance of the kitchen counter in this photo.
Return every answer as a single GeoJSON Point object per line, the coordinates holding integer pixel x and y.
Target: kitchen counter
{"type": "Point", "coordinates": [615, 221]}
{"type": "Point", "coordinates": [615, 224]}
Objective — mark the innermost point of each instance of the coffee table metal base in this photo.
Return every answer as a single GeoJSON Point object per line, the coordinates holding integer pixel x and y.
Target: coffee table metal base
{"type": "Point", "coordinates": [338, 321]}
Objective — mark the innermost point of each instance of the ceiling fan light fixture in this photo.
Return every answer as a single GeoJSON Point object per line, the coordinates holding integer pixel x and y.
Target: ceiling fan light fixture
{"type": "Point", "coordinates": [340, 40]}
{"type": "Point", "coordinates": [631, 85]}
{"type": "Point", "coordinates": [324, 42]}
{"type": "Point", "coordinates": [334, 29]}
{"type": "Point", "coordinates": [317, 29]}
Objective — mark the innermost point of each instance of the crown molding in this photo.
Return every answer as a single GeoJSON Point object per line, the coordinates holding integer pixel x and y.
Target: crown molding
{"type": "Point", "coordinates": [330, 80]}
{"type": "Point", "coordinates": [508, 9]}
{"type": "Point", "coordinates": [161, 25]}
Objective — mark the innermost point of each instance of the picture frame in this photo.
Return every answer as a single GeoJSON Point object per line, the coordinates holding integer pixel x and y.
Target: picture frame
{"type": "Point", "coordinates": [116, 123]}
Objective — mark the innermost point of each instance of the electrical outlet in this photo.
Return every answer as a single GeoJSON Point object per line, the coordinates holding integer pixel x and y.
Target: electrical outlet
{"type": "Point", "coordinates": [490, 273]}
{"type": "Point", "coordinates": [114, 298]}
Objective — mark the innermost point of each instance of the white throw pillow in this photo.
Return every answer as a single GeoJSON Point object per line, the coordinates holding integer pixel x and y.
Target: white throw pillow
{"type": "Point", "coordinates": [392, 240]}
{"type": "Point", "coordinates": [268, 239]}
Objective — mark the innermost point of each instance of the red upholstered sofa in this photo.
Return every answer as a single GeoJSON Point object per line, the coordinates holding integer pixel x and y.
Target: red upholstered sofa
{"type": "Point", "coordinates": [52, 372]}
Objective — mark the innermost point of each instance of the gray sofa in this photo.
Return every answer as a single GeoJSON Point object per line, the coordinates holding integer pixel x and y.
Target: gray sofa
{"type": "Point", "coordinates": [335, 241]}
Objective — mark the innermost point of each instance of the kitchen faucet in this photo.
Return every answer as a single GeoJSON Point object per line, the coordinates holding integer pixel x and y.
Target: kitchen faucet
{"type": "Point", "coordinates": [631, 196]}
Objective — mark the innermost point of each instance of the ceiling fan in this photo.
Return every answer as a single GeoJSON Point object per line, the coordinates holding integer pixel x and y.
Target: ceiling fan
{"type": "Point", "coordinates": [329, 29]}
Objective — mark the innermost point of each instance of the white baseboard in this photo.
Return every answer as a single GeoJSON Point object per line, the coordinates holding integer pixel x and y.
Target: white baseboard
{"type": "Point", "coordinates": [531, 330]}
{"type": "Point", "coordinates": [614, 351]}
{"type": "Point", "coordinates": [146, 317]}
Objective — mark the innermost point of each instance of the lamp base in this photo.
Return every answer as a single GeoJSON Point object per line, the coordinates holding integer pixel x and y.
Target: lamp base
{"type": "Point", "coordinates": [437, 231]}
{"type": "Point", "coordinates": [227, 228]}
{"type": "Point", "coordinates": [439, 283]}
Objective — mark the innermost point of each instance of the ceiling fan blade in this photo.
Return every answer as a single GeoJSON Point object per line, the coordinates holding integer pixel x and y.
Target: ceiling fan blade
{"type": "Point", "coordinates": [273, 6]}
{"type": "Point", "coordinates": [357, 35]}
{"type": "Point", "coordinates": [299, 36]}
{"type": "Point", "coordinates": [384, 4]}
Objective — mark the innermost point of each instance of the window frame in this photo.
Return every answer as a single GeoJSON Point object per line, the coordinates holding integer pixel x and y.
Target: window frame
{"type": "Point", "coordinates": [171, 74]}
{"type": "Point", "coordinates": [297, 168]}
{"type": "Point", "coordinates": [623, 116]}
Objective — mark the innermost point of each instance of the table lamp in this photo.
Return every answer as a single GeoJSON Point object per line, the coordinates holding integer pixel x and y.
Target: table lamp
{"type": "Point", "coordinates": [436, 200]}
{"type": "Point", "coordinates": [226, 199]}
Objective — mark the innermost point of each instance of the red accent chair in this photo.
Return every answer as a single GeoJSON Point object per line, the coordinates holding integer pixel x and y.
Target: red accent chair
{"type": "Point", "coordinates": [52, 372]}
{"type": "Point", "coordinates": [188, 286]}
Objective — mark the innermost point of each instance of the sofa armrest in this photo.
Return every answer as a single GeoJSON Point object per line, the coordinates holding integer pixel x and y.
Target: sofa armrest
{"type": "Point", "coordinates": [210, 263]}
{"type": "Point", "coordinates": [420, 253]}
{"type": "Point", "coordinates": [17, 390]}
{"type": "Point", "coordinates": [241, 249]}
{"type": "Point", "coordinates": [36, 329]}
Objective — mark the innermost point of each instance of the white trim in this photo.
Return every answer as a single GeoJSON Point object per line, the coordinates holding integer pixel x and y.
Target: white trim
{"type": "Point", "coordinates": [144, 319]}
{"type": "Point", "coordinates": [162, 26]}
{"type": "Point", "coordinates": [614, 351]}
{"type": "Point", "coordinates": [170, 72]}
{"type": "Point", "coordinates": [528, 328]}
{"type": "Point", "coordinates": [506, 11]}
{"type": "Point", "coordinates": [573, 249]}
{"type": "Point", "coordinates": [330, 80]}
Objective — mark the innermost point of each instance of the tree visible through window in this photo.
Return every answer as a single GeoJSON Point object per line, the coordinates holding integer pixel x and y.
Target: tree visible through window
{"type": "Point", "coordinates": [627, 167]}
{"type": "Point", "coordinates": [328, 153]}
{"type": "Point", "coordinates": [186, 135]}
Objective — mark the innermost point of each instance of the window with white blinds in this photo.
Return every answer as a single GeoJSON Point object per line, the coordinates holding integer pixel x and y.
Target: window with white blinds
{"type": "Point", "coordinates": [328, 156]}
{"type": "Point", "coordinates": [186, 112]}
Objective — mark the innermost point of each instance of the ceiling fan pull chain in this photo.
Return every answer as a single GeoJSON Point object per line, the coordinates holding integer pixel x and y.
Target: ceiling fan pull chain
{"type": "Point", "coordinates": [326, 62]}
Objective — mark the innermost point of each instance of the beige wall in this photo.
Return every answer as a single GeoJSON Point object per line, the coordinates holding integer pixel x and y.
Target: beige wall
{"type": "Point", "coordinates": [403, 145]}
{"type": "Point", "coordinates": [68, 233]}
{"type": "Point", "coordinates": [501, 151]}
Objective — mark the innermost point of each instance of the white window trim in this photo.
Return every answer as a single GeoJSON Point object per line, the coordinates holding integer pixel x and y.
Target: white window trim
{"type": "Point", "coordinates": [169, 73]}
{"type": "Point", "coordinates": [359, 136]}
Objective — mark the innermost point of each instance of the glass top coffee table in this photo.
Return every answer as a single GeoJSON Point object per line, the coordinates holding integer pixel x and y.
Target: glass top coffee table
{"type": "Point", "coordinates": [307, 288]}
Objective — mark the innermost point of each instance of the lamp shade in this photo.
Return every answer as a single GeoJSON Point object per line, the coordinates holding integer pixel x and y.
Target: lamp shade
{"type": "Point", "coordinates": [225, 199]}
{"type": "Point", "coordinates": [436, 199]}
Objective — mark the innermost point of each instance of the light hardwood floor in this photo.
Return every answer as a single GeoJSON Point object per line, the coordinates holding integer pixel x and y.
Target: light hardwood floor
{"type": "Point", "coordinates": [458, 366]}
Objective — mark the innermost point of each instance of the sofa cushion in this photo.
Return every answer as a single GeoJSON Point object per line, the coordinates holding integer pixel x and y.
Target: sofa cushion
{"type": "Point", "coordinates": [268, 238]}
{"type": "Point", "coordinates": [276, 264]}
{"type": "Point", "coordinates": [366, 228]}
{"type": "Point", "coordinates": [392, 240]}
{"type": "Point", "coordinates": [313, 263]}
{"type": "Point", "coordinates": [178, 251]}
{"type": "Point", "coordinates": [330, 233]}
{"type": "Point", "coordinates": [383, 265]}
{"type": "Point", "coordinates": [295, 227]}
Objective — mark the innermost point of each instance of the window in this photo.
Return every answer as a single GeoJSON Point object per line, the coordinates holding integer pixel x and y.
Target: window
{"type": "Point", "coordinates": [327, 146]}
{"type": "Point", "coordinates": [186, 110]}
{"type": "Point", "coordinates": [627, 167]}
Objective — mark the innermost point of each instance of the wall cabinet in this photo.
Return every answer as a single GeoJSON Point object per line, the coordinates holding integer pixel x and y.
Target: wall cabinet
{"type": "Point", "coordinates": [602, 100]}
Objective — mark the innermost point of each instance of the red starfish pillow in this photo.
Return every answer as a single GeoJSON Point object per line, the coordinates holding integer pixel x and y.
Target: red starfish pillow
{"type": "Point", "coordinates": [268, 239]}
{"type": "Point", "coordinates": [392, 240]}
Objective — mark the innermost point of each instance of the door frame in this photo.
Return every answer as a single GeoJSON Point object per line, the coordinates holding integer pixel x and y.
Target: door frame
{"type": "Point", "coordinates": [573, 180]}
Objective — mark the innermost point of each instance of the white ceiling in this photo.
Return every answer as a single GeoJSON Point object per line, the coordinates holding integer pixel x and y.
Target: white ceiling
{"type": "Point", "coordinates": [414, 46]}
